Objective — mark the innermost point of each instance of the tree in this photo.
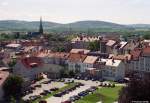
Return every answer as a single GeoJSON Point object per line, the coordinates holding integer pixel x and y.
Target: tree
{"type": "Point", "coordinates": [94, 46]}
{"type": "Point", "coordinates": [13, 87]}
{"type": "Point", "coordinates": [77, 69]}
{"type": "Point", "coordinates": [17, 35]}
{"type": "Point", "coordinates": [60, 49]}
{"type": "Point", "coordinates": [12, 63]}
{"type": "Point", "coordinates": [12, 100]}
{"type": "Point", "coordinates": [138, 89]}
{"type": "Point", "coordinates": [64, 73]}
{"type": "Point", "coordinates": [71, 73]}
{"type": "Point", "coordinates": [146, 36]}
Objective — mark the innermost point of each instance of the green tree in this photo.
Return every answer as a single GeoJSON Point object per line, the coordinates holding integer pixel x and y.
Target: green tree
{"type": "Point", "coordinates": [60, 49]}
{"type": "Point", "coordinates": [136, 90]}
{"type": "Point", "coordinates": [71, 73]}
{"type": "Point", "coordinates": [64, 73]}
{"type": "Point", "coordinates": [77, 70]}
{"type": "Point", "coordinates": [12, 63]}
{"type": "Point", "coordinates": [13, 87]}
{"type": "Point", "coordinates": [12, 100]}
{"type": "Point", "coordinates": [94, 46]}
{"type": "Point", "coordinates": [146, 36]}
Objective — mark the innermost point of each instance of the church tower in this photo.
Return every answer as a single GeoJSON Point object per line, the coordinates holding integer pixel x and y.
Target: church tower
{"type": "Point", "coordinates": [41, 26]}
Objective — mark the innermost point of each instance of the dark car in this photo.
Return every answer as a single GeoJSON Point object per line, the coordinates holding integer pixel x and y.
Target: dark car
{"type": "Point", "coordinates": [54, 89]}
{"type": "Point", "coordinates": [57, 95]}
{"type": "Point", "coordinates": [47, 91]}
{"type": "Point", "coordinates": [42, 101]}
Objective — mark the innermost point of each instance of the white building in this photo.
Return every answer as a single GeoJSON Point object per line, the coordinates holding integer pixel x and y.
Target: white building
{"type": "Point", "coordinates": [75, 61]}
{"type": "Point", "coordinates": [114, 69]}
{"type": "Point", "coordinates": [32, 67]}
{"type": "Point", "coordinates": [141, 60]}
{"type": "Point", "coordinates": [89, 62]}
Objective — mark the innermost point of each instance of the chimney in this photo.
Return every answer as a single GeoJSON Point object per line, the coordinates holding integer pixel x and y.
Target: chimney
{"type": "Point", "coordinates": [81, 52]}
{"type": "Point", "coordinates": [81, 37]}
{"type": "Point", "coordinates": [113, 60]}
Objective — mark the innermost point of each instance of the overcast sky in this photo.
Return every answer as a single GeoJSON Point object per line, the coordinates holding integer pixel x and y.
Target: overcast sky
{"type": "Point", "coordinates": [64, 11]}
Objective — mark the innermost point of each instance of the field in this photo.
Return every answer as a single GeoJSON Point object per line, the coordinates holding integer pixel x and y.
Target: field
{"type": "Point", "coordinates": [106, 95]}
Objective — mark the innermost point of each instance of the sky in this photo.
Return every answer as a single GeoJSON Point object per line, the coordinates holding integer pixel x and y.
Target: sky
{"type": "Point", "coordinates": [66, 11]}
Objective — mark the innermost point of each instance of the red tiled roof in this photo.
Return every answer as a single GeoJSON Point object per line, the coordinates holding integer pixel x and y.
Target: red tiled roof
{"type": "Point", "coordinates": [76, 57]}
{"type": "Point", "coordinates": [84, 51]}
{"type": "Point", "coordinates": [122, 57]}
{"type": "Point", "coordinates": [146, 51]}
{"type": "Point", "coordinates": [135, 54]}
{"type": "Point", "coordinates": [28, 61]}
{"type": "Point", "coordinates": [59, 55]}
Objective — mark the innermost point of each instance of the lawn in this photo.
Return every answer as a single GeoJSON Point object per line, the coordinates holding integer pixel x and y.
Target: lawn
{"type": "Point", "coordinates": [105, 94]}
{"type": "Point", "coordinates": [61, 89]}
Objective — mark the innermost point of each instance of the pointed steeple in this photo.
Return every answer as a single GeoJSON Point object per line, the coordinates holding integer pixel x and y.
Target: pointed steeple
{"type": "Point", "coordinates": [41, 26]}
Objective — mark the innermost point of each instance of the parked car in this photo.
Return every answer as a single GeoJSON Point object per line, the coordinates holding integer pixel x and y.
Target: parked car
{"type": "Point", "coordinates": [67, 101]}
{"type": "Point", "coordinates": [43, 101]}
{"type": "Point", "coordinates": [54, 89]}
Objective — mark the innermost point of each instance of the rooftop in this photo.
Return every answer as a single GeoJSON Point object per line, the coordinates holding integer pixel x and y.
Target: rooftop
{"type": "Point", "coordinates": [122, 43]}
{"type": "Point", "coordinates": [111, 62]}
{"type": "Point", "coordinates": [59, 55]}
{"type": "Point", "coordinates": [135, 54]}
{"type": "Point", "coordinates": [110, 43]}
{"type": "Point", "coordinates": [29, 61]}
{"type": "Point", "coordinates": [90, 59]}
{"type": "Point", "coordinates": [13, 45]}
{"type": "Point", "coordinates": [74, 57]}
{"type": "Point", "coordinates": [85, 38]}
{"type": "Point", "coordinates": [146, 51]}
{"type": "Point", "coordinates": [84, 51]}
{"type": "Point", "coordinates": [120, 57]}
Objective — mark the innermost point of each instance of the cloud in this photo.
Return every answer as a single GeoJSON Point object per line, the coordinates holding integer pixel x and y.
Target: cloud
{"type": "Point", "coordinates": [4, 3]}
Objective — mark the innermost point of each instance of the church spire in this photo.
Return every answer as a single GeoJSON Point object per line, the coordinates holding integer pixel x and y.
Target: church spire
{"type": "Point", "coordinates": [41, 26]}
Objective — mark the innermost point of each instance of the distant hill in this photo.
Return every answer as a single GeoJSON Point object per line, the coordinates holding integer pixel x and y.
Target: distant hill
{"type": "Point", "coordinates": [17, 25]}
{"type": "Point", "coordinates": [93, 24]}
{"type": "Point", "coordinates": [24, 25]}
{"type": "Point", "coordinates": [140, 25]}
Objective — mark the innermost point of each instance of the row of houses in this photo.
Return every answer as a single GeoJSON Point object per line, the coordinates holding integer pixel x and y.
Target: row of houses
{"type": "Point", "coordinates": [137, 48]}
{"type": "Point", "coordinates": [78, 59]}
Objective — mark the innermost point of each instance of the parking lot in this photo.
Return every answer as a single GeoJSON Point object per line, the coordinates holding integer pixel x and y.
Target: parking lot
{"type": "Point", "coordinates": [80, 89]}
{"type": "Point", "coordinates": [87, 85]}
{"type": "Point", "coordinates": [44, 86]}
